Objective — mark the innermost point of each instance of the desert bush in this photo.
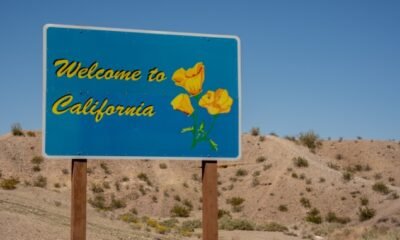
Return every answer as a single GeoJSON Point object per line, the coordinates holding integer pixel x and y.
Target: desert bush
{"type": "Point", "coordinates": [145, 178]}
{"type": "Point", "coordinates": [65, 171]}
{"type": "Point", "coordinates": [378, 176]}
{"type": "Point", "coordinates": [195, 177]}
{"type": "Point", "coordinates": [96, 188]}
{"type": "Point", "coordinates": [291, 138]}
{"type": "Point", "coordinates": [163, 166]}
{"type": "Point", "coordinates": [261, 138]}
{"type": "Point", "coordinates": [106, 185]}
{"type": "Point", "coordinates": [177, 198]}
{"type": "Point", "coordinates": [117, 203]}
{"type": "Point", "coordinates": [272, 227]}
{"type": "Point", "coordinates": [365, 213]}
{"type": "Point", "coordinates": [161, 229]}
{"type": "Point", "coordinates": [314, 216]}
{"type": "Point", "coordinates": [170, 223]}
{"type": "Point", "coordinates": [190, 225]}
{"type": "Point", "coordinates": [322, 179]}
{"type": "Point", "coordinates": [40, 181]}
{"type": "Point", "coordinates": [16, 130]}
{"type": "Point", "coordinates": [261, 159]}
{"type": "Point", "coordinates": [129, 218]}
{"type": "Point", "coordinates": [222, 212]}
{"type": "Point", "coordinates": [236, 203]}
{"type": "Point", "coordinates": [256, 174]}
{"type": "Point", "coordinates": [331, 217]}
{"type": "Point", "coordinates": [334, 166]}
{"type": "Point", "coordinates": [227, 223]}
{"type": "Point", "coordinates": [381, 188]}
{"type": "Point", "coordinates": [294, 175]}
{"type": "Point", "coordinates": [267, 166]}
{"type": "Point", "coordinates": [255, 131]}
{"type": "Point", "coordinates": [185, 185]}
{"type": "Point", "coordinates": [367, 167]}
{"type": "Point", "coordinates": [117, 185]}
{"type": "Point", "coordinates": [37, 160]}
{"type": "Point", "coordinates": [347, 176]}
{"type": "Point", "coordinates": [300, 162]}
{"type": "Point", "coordinates": [36, 168]}
{"type": "Point", "coordinates": [188, 204]}
{"type": "Point", "coordinates": [305, 202]}
{"type": "Point", "coordinates": [99, 202]}
{"type": "Point", "coordinates": [105, 168]}
{"type": "Point", "coordinates": [310, 140]}
{"type": "Point", "coordinates": [241, 172]}
{"type": "Point", "coordinates": [125, 179]}
{"type": "Point", "coordinates": [283, 208]}
{"type": "Point", "coordinates": [179, 211]}
{"type": "Point", "coordinates": [9, 183]}
{"type": "Point", "coordinates": [364, 201]}
{"type": "Point", "coordinates": [31, 134]}
{"type": "Point", "coordinates": [339, 156]}
{"type": "Point", "coordinates": [142, 190]}
{"type": "Point", "coordinates": [57, 185]}
{"type": "Point", "coordinates": [394, 196]}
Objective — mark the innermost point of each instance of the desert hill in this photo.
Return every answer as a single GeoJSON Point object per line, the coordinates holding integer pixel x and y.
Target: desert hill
{"type": "Point", "coordinates": [342, 184]}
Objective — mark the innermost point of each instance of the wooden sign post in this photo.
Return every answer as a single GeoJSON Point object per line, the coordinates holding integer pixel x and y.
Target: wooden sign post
{"type": "Point", "coordinates": [78, 199]}
{"type": "Point", "coordinates": [210, 200]}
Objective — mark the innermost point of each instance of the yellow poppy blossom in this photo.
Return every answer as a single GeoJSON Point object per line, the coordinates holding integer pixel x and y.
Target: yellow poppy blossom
{"type": "Point", "coordinates": [182, 103]}
{"type": "Point", "coordinates": [191, 80]}
{"type": "Point", "coordinates": [216, 102]}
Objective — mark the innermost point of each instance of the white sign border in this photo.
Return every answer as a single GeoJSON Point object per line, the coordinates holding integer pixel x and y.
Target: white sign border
{"type": "Point", "coordinates": [47, 26]}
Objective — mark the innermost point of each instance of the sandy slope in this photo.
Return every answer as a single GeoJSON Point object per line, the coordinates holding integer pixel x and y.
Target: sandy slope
{"type": "Point", "coordinates": [322, 185]}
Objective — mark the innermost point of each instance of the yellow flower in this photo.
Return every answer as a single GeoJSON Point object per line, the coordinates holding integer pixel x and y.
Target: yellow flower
{"type": "Point", "coordinates": [182, 103]}
{"type": "Point", "coordinates": [216, 102]}
{"type": "Point", "coordinates": [191, 80]}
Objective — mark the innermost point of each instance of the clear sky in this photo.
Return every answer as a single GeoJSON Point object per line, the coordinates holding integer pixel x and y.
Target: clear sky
{"type": "Point", "coordinates": [330, 66]}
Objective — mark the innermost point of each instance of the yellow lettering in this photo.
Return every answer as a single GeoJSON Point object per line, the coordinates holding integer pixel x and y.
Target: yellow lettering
{"type": "Point", "coordinates": [92, 69]}
{"type": "Point", "coordinates": [63, 102]}
{"type": "Point", "coordinates": [82, 73]}
{"type": "Point", "coordinates": [90, 107]}
{"type": "Point", "coordinates": [108, 74]}
{"type": "Point", "coordinates": [100, 71]}
{"type": "Point", "coordinates": [136, 75]}
{"type": "Point", "coordinates": [66, 68]}
{"type": "Point", "coordinates": [122, 75]}
{"type": "Point", "coordinates": [76, 109]}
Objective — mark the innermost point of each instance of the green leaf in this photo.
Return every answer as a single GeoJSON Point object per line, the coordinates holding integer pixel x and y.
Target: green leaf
{"type": "Point", "coordinates": [201, 128]}
{"type": "Point", "coordinates": [213, 145]}
{"type": "Point", "coordinates": [188, 129]}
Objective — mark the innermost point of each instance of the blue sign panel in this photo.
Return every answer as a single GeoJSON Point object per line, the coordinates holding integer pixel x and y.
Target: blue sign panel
{"type": "Point", "coordinates": [114, 93]}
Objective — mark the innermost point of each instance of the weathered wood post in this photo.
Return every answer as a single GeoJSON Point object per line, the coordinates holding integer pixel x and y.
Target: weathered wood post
{"type": "Point", "coordinates": [210, 200]}
{"type": "Point", "coordinates": [78, 199]}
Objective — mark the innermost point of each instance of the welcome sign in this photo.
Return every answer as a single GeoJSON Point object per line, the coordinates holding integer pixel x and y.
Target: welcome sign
{"type": "Point", "coordinates": [114, 93]}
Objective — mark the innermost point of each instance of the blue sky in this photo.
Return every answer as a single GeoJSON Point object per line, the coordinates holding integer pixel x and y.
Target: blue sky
{"type": "Point", "coordinates": [330, 66]}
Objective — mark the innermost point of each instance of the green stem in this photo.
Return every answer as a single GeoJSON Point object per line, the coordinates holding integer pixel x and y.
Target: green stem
{"type": "Point", "coordinates": [212, 124]}
{"type": "Point", "coordinates": [194, 132]}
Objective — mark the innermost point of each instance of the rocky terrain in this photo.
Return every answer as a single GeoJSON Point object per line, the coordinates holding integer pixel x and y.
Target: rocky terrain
{"type": "Point", "coordinates": [281, 188]}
